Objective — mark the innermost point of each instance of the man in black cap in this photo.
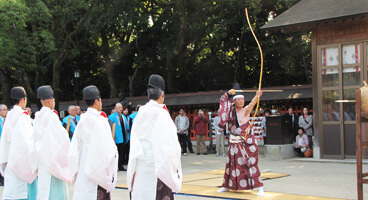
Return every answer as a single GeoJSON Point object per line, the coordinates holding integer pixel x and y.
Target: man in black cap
{"type": "Point", "coordinates": [154, 161]}
{"type": "Point", "coordinates": [52, 147]}
{"type": "Point", "coordinates": [93, 156]}
{"type": "Point", "coordinates": [17, 162]}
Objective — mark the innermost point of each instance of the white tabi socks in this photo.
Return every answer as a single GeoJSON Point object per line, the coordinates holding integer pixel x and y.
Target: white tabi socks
{"type": "Point", "coordinates": [223, 189]}
{"type": "Point", "coordinates": [260, 191]}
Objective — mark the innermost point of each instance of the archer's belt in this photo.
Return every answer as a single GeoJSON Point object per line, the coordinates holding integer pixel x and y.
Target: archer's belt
{"type": "Point", "coordinates": [235, 139]}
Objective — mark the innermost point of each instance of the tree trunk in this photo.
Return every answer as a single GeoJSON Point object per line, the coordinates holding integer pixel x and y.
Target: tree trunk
{"type": "Point", "coordinates": [132, 79]}
{"type": "Point", "coordinates": [24, 79]}
{"type": "Point", "coordinates": [6, 85]}
{"type": "Point", "coordinates": [305, 70]}
{"type": "Point", "coordinates": [60, 57]}
{"type": "Point", "coordinates": [182, 42]}
{"type": "Point", "coordinates": [171, 65]}
{"type": "Point", "coordinates": [109, 66]}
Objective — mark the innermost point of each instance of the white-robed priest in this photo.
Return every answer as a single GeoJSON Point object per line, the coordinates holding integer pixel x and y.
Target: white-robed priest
{"type": "Point", "coordinates": [52, 146]}
{"type": "Point", "coordinates": [18, 162]}
{"type": "Point", "coordinates": [93, 156]}
{"type": "Point", "coordinates": [154, 169]}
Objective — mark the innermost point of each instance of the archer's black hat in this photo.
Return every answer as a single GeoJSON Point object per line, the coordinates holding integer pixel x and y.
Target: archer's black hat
{"type": "Point", "coordinates": [18, 93]}
{"type": "Point", "coordinates": [156, 81]}
{"type": "Point", "coordinates": [45, 92]}
{"type": "Point", "coordinates": [236, 86]}
{"type": "Point", "coordinates": [91, 92]}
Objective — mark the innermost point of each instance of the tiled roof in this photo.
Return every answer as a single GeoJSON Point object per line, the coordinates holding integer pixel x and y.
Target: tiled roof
{"type": "Point", "coordinates": [316, 11]}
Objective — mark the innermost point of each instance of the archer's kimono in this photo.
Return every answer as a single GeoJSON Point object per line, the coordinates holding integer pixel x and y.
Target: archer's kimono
{"type": "Point", "coordinates": [52, 146]}
{"type": "Point", "coordinates": [93, 157]}
{"type": "Point", "coordinates": [154, 170]}
{"type": "Point", "coordinates": [241, 171]}
{"type": "Point", "coordinates": [18, 163]}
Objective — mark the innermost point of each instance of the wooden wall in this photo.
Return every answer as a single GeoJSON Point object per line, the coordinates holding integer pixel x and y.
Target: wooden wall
{"type": "Point", "coordinates": [351, 30]}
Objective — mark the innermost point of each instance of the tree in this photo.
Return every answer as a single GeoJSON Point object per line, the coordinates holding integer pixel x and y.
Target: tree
{"type": "Point", "coordinates": [194, 45]}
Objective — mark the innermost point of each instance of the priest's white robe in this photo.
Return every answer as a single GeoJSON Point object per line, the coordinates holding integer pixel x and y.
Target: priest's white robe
{"type": "Point", "coordinates": [93, 156]}
{"type": "Point", "coordinates": [18, 162]}
{"type": "Point", "coordinates": [52, 147]}
{"type": "Point", "coordinates": [155, 152]}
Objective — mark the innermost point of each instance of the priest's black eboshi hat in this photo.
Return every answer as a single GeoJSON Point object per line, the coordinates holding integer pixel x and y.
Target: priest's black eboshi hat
{"type": "Point", "coordinates": [156, 81]}
{"type": "Point", "coordinates": [18, 93]}
{"type": "Point", "coordinates": [91, 92]}
{"type": "Point", "coordinates": [45, 92]}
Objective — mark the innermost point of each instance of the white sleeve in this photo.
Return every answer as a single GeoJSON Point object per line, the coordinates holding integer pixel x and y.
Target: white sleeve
{"type": "Point", "coordinates": [102, 158]}
{"type": "Point", "coordinates": [54, 149]}
{"type": "Point", "coordinates": [167, 153]}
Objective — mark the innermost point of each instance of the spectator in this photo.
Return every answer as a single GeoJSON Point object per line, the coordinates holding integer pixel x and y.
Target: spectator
{"type": "Point", "coordinates": [329, 113]}
{"type": "Point", "coordinates": [263, 125]}
{"type": "Point", "coordinates": [112, 111]}
{"type": "Point", "coordinates": [74, 119]}
{"type": "Point", "coordinates": [3, 113]}
{"type": "Point", "coordinates": [294, 121]}
{"type": "Point", "coordinates": [182, 125]}
{"type": "Point", "coordinates": [201, 130]}
{"type": "Point", "coordinates": [127, 130]}
{"type": "Point", "coordinates": [301, 142]}
{"type": "Point", "coordinates": [306, 122]}
{"type": "Point", "coordinates": [220, 137]}
{"type": "Point", "coordinates": [120, 133]}
{"type": "Point", "coordinates": [189, 141]}
{"type": "Point", "coordinates": [79, 111]}
{"type": "Point", "coordinates": [132, 116]}
{"type": "Point", "coordinates": [29, 111]}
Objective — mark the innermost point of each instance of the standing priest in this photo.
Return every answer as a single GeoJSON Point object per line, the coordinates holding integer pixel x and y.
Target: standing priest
{"type": "Point", "coordinates": [93, 156]}
{"type": "Point", "coordinates": [52, 146]}
{"type": "Point", "coordinates": [154, 170]}
{"type": "Point", "coordinates": [17, 162]}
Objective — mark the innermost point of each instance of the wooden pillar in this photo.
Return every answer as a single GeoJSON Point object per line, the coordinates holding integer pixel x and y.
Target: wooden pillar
{"type": "Point", "coordinates": [359, 145]}
{"type": "Point", "coordinates": [361, 127]}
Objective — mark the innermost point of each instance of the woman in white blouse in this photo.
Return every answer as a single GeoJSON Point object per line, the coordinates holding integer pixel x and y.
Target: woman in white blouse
{"type": "Point", "coordinates": [306, 122]}
{"type": "Point", "coordinates": [301, 142]}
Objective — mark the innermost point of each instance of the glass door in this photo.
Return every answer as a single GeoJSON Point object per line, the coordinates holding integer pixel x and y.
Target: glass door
{"type": "Point", "coordinates": [352, 80]}
{"type": "Point", "coordinates": [330, 90]}
{"type": "Point", "coordinates": [340, 74]}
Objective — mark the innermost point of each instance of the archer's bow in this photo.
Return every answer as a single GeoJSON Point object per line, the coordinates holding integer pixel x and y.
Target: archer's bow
{"type": "Point", "coordinates": [260, 77]}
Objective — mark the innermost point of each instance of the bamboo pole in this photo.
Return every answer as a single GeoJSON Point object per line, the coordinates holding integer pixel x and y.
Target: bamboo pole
{"type": "Point", "coordinates": [113, 131]}
{"type": "Point", "coordinates": [68, 125]}
{"type": "Point", "coordinates": [257, 90]}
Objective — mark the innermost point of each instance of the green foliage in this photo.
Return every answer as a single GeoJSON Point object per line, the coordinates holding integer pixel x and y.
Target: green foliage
{"type": "Point", "coordinates": [117, 44]}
